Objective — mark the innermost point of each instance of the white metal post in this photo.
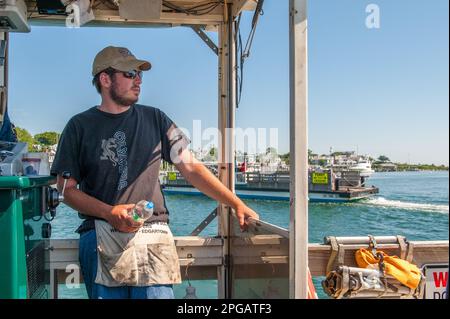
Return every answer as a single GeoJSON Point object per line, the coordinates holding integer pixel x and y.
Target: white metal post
{"type": "Point", "coordinates": [298, 227]}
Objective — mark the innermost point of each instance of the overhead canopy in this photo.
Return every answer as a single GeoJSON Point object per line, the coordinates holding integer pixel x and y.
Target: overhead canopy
{"type": "Point", "coordinates": [209, 13]}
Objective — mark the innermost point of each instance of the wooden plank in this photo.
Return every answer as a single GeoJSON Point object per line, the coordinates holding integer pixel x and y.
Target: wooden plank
{"type": "Point", "coordinates": [199, 252]}
{"type": "Point", "coordinates": [430, 252]}
{"type": "Point", "coordinates": [197, 241]}
{"type": "Point", "coordinates": [243, 5]}
{"type": "Point", "coordinates": [179, 241]}
{"type": "Point", "coordinates": [298, 118]}
{"type": "Point", "coordinates": [222, 210]}
{"type": "Point", "coordinates": [261, 240]}
{"type": "Point", "coordinates": [64, 243]}
{"type": "Point", "coordinates": [32, 4]}
{"type": "Point", "coordinates": [110, 17]}
{"type": "Point", "coordinates": [104, 15]}
{"type": "Point", "coordinates": [109, 20]}
{"type": "Point", "coordinates": [263, 248]}
{"type": "Point", "coordinates": [251, 261]}
{"type": "Point", "coordinates": [195, 262]}
{"type": "Point", "coordinates": [192, 273]}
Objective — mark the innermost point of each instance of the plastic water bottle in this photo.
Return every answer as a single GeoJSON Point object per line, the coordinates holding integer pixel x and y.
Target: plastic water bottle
{"type": "Point", "coordinates": [142, 211]}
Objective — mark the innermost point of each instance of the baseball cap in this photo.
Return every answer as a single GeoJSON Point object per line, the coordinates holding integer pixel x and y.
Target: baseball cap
{"type": "Point", "coordinates": [118, 58]}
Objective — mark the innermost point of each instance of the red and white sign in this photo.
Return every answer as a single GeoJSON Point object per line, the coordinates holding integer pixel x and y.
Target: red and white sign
{"type": "Point", "coordinates": [436, 282]}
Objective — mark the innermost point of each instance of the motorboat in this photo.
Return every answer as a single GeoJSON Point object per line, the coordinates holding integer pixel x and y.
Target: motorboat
{"type": "Point", "coordinates": [364, 167]}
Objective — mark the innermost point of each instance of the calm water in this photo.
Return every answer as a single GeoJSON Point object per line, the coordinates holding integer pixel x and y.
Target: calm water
{"type": "Point", "coordinates": [411, 204]}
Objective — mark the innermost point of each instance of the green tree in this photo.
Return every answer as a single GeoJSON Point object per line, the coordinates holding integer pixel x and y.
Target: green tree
{"type": "Point", "coordinates": [322, 162]}
{"type": "Point", "coordinates": [47, 138]}
{"type": "Point", "coordinates": [25, 137]}
{"type": "Point", "coordinates": [383, 158]}
{"type": "Point", "coordinates": [285, 158]}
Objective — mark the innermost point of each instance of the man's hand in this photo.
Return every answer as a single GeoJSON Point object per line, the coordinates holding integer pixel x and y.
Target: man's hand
{"type": "Point", "coordinates": [243, 212]}
{"type": "Point", "coordinates": [120, 219]}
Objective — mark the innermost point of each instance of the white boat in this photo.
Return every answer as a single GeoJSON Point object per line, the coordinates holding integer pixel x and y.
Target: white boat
{"type": "Point", "coordinates": [364, 167]}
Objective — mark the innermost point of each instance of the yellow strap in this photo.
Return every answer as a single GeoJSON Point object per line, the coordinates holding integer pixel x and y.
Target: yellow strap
{"type": "Point", "coordinates": [405, 272]}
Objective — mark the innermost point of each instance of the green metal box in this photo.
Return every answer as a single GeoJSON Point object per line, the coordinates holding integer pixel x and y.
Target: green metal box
{"type": "Point", "coordinates": [24, 233]}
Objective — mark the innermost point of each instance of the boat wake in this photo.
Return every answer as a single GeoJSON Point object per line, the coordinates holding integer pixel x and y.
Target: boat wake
{"type": "Point", "coordinates": [383, 202]}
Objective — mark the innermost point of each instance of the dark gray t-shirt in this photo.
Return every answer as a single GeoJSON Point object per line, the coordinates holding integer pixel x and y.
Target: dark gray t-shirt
{"type": "Point", "coordinates": [116, 157]}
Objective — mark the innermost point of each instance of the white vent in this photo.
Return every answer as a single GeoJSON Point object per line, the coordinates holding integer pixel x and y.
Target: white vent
{"type": "Point", "coordinates": [13, 16]}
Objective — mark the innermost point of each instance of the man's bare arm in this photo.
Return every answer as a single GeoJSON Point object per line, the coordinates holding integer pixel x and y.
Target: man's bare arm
{"type": "Point", "coordinates": [117, 215]}
{"type": "Point", "coordinates": [199, 176]}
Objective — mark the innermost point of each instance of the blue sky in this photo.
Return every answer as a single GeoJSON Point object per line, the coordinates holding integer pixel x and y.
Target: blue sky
{"type": "Point", "coordinates": [379, 91]}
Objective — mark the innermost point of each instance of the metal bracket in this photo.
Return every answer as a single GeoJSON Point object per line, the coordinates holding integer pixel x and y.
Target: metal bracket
{"type": "Point", "coordinates": [337, 250]}
{"type": "Point", "coordinates": [410, 252]}
{"type": "Point", "coordinates": [205, 223]}
{"type": "Point", "coordinates": [403, 246]}
{"type": "Point", "coordinates": [206, 39]}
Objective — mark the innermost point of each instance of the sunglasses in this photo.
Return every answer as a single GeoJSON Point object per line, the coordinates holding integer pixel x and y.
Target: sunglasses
{"type": "Point", "coordinates": [132, 74]}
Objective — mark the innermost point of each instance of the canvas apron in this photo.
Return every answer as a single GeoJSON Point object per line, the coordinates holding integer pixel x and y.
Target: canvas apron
{"type": "Point", "coordinates": [146, 257]}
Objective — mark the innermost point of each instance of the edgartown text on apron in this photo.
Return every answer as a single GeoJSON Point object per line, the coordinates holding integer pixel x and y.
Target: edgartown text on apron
{"type": "Point", "coordinates": [146, 257]}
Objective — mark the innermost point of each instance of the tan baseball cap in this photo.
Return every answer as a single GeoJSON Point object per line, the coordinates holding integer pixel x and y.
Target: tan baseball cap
{"type": "Point", "coordinates": [118, 58]}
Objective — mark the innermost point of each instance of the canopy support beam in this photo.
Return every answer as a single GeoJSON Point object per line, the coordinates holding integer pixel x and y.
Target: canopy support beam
{"type": "Point", "coordinates": [298, 245]}
{"type": "Point", "coordinates": [205, 38]}
{"type": "Point", "coordinates": [226, 118]}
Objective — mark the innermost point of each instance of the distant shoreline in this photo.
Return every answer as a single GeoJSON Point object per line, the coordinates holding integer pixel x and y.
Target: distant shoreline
{"type": "Point", "coordinates": [402, 167]}
{"type": "Point", "coordinates": [414, 170]}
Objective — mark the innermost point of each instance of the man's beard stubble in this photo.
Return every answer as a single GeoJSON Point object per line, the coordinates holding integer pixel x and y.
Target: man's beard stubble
{"type": "Point", "coordinates": [120, 100]}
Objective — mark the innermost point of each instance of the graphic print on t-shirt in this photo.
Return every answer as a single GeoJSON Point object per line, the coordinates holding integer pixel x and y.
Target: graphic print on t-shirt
{"type": "Point", "coordinates": [108, 153]}
{"type": "Point", "coordinates": [115, 150]}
